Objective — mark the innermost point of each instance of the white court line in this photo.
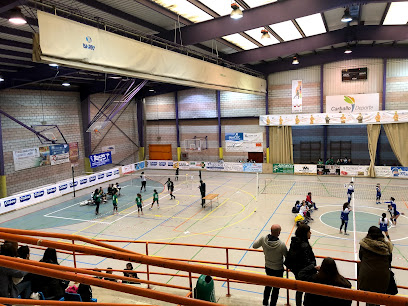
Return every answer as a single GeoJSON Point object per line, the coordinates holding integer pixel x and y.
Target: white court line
{"type": "Point", "coordinates": [61, 209]}
{"type": "Point", "coordinates": [136, 209]}
{"type": "Point", "coordinates": [93, 221]}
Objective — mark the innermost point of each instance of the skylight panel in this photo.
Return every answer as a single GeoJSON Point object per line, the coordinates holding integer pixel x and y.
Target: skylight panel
{"type": "Point", "coordinates": [222, 8]}
{"type": "Point", "coordinates": [312, 24]}
{"type": "Point", "coordinates": [256, 34]}
{"type": "Point", "coordinates": [286, 30]}
{"type": "Point", "coordinates": [240, 41]}
{"type": "Point", "coordinates": [397, 14]}
{"type": "Point", "coordinates": [254, 3]}
{"type": "Point", "coordinates": [185, 9]}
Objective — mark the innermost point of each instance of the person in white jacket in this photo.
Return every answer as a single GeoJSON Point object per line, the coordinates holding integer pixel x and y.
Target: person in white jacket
{"type": "Point", "coordinates": [274, 251]}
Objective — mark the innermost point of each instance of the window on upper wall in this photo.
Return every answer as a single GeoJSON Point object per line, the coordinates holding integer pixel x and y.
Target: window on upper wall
{"type": "Point", "coordinates": [340, 149]}
{"type": "Point", "coordinates": [310, 152]}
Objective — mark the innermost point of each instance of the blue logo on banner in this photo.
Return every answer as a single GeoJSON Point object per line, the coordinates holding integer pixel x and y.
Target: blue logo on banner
{"type": "Point", "coordinates": [71, 184]}
{"type": "Point", "coordinates": [101, 176]}
{"type": "Point", "coordinates": [109, 174]}
{"type": "Point", "coordinates": [38, 194]}
{"type": "Point", "coordinates": [88, 45]}
{"type": "Point", "coordinates": [10, 202]}
{"type": "Point", "coordinates": [100, 159]}
{"type": "Point", "coordinates": [51, 190]}
{"type": "Point", "coordinates": [63, 187]}
{"type": "Point", "coordinates": [140, 165]}
{"type": "Point", "coordinates": [25, 197]}
{"type": "Point", "coordinates": [83, 181]}
{"type": "Point", "coordinates": [234, 136]}
{"type": "Point", "coordinates": [116, 172]}
{"type": "Point", "coordinates": [92, 178]}
{"type": "Point", "coordinates": [153, 164]}
{"type": "Point", "coordinates": [162, 164]}
{"type": "Point", "coordinates": [170, 164]}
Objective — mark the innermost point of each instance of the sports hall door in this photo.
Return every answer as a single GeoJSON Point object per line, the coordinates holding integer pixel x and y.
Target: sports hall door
{"type": "Point", "coordinates": [160, 152]}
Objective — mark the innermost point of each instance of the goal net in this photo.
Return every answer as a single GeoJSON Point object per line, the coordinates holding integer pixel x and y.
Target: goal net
{"type": "Point", "coordinates": [183, 181]}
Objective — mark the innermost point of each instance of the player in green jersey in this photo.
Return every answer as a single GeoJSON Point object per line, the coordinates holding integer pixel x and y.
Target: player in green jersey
{"type": "Point", "coordinates": [155, 199]}
{"type": "Point", "coordinates": [115, 201]}
{"type": "Point", "coordinates": [139, 203]}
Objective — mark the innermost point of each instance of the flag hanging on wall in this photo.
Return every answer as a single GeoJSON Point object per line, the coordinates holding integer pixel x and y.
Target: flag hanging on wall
{"type": "Point", "coordinates": [297, 96]}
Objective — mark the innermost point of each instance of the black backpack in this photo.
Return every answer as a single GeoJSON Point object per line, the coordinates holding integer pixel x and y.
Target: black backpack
{"type": "Point", "coordinates": [85, 291]}
{"type": "Point", "coordinates": [294, 209]}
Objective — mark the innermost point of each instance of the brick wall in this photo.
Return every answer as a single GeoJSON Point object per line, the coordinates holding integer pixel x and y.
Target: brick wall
{"type": "Point", "coordinates": [32, 108]}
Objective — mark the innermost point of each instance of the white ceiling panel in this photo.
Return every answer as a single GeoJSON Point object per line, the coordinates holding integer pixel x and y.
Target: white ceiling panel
{"type": "Point", "coordinates": [222, 8]}
{"type": "Point", "coordinates": [254, 3]}
{"type": "Point", "coordinates": [256, 34]}
{"type": "Point", "coordinates": [397, 14]}
{"type": "Point", "coordinates": [286, 30]}
{"type": "Point", "coordinates": [185, 9]}
{"type": "Point", "coordinates": [333, 19]}
{"type": "Point", "coordinates": [240, 41]}
{"type": "Point", "coordinates": [372, 13]}
{"type": "Point", "coordinates": [312, 24]}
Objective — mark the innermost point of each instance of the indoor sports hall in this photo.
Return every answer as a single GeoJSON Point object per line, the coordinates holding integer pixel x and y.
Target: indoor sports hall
{"type": "Point", "coordinates": [150, 145]}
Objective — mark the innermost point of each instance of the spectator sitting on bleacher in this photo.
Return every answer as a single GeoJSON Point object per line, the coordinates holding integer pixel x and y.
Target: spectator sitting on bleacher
{"type": "Point", "coordinates": [110, 189]}
{"type": "Point", "coordinates": [117, 187]}
{"type": "Point", "coordinates": [330, 161]}
{"type": "Point", "coordinates": [23, 285]}
{"type": "Point", "coordinates": [85, 291]}
{"type": "Point", "coordinates": [7, 287]}
{"type": "Point", "coordinates": [129, 267]}
{"type": "Point", "coordinates": [109, 272]}
{"type": "Point", "coordinates": [326, 274]}
{"type": "Point", "coordinates": [102, 194]}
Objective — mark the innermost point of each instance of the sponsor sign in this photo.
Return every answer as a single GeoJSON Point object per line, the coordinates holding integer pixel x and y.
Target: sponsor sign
{"type": "Point", "coordinates": [128, 169]}
{"type": "Point", "coordinates": [305, 169]}
{"type": "Point", "coordinates": [283, 168]}
{"type": "Point", "coordinates": [111, 149]}
{"type": "Point", "coordinates": [252, 167]}
{"type": "Point", "coordinates": [399, 172]}
{"type": "Point", "coordinates": [39, 194]}
{"type": "Point", "coordinates": [354, 118]}
{"type": "Point", "coordinates": [182, 165]}
{"type": "Point", "coordinates": [359, 103]}
{"type": "Point", "coordinates": [100, 159]}
{"type": "Point", "coordinates": [92, 178]}
{"type": "Point", "coordinates": [243, 142]}
{"type": "Point", "coordinates": [59, 154]}
{"type": "Point", "coordinates": [140, 165]}
{"type": "Point", "coordinates": [234, 136]}
{"type": "Point", "coordinates": [214, 166]}
{"type": "Point", "coordinates": [160, 164]}
{"type": "Point", "coordinates": [194, 165]}
{"type": "Point", "coordinates": [26, 158]}
{"type": "Point", "coordinates": [51, 190]}
{"type": "Point", "coordinates": [10, 202]}
{"type": "Point", "coordinates": [234, 167]}
{"type": "Point", "coordinates": [332, 169]}
{"type": "Point", "coordinates": [297, 96]}
{"type": "Point", "coordinates": [354, 170]}
{"type": "Point", "coordinates": [83, 181]}
{"type": "Point", "coordinates": [108, 174]}
{"type": "Point", "coordinates": [383, 171]}
{"type": "Point", "coordinates": [73, 154]}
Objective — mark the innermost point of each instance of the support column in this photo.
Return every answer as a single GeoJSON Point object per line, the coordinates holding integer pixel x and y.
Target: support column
{"type": "Point", "coordinates": [322, 110]}
{"type": "Point", "coordinates": [220, 150]}
{"type": "Point", "coordinates": [384, 97]}
{"type": "Point", "coordinates": [267, 127]}
{"type": "Point", "coordinates": [3, 184]}
{"type": "Point", "coordinates": [177, 126]}
{"type": "Point", "coordinates": [140, 129]}
{"type": "Point", "coordinates": [86, 119]}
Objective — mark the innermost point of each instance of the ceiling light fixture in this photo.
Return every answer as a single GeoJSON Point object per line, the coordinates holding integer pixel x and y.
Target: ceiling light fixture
{"type": "Point", "coordinates": [16, 17]}
{"type": "Point", "coordinates": [66, 84]}
{"type": "Point", "coordinates": [265, 34]}
{"type": "Point", "coordinates": [346, 17]}
{"type": "Point", "coordinates": [151, 90]}
{"type": "Point", "coordinates": [53, 65]}
{"type": "Point", "coordinates": [236, 11]}
{"type": "Point", "coordinates": [1, 79]}
{"type": "Point", "coordinates": [295, 61]}
{"type": "Point", "coordinates": [348, 50]}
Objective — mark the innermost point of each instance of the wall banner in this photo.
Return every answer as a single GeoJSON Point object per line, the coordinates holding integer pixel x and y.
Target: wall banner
{"type": "Point", "coordinates": [297, 96]}
{"type": "Point", "coordinates": [283, 168]}
{"type": "Point", "coordinates": [243, 142]}
{"type": "Point", "coordinates": [182, 165]}
{"type": "Point", "coordinates": [354, 118]}
{"type": "Point", "coordinates": [194, 165]}
{"type": "Point", "coordinates": [233, 167]}
{"type": "Point", "coordinates": [100, 159]}
{"type": "Point", "coordinates": [354, 170]}
{"type": "Point", "coordinates": [140, 165]}
{"type": "Point", "coordinates": [332, 169]}
{"type": "Point", "coordinates": [73, 154]}
{"type": "Point", "coordinates": [399, 172]}
{"type": "Point", "coordinates": [252, 167]}
{"type": "Point", "coordinates": [59, 154]}
{"type": "Point", "coordinates": [26, 158]}
{"type": "Point", "coordinates": [305, 169]}
{"type": "Point", "coordinates": [214, 166]}
{"type": "Point", "coordinates": [128, 169]}
{"type": "Point", "coordinates": [383, 171]}
{"type": "Point", "coordinates": [353, 103]}
{"type": "Point", "coordinates": [160, 164]}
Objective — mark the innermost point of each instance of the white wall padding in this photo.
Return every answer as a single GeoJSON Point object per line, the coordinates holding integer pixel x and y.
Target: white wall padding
{"type": "Point", "coordinates": [73, 44]}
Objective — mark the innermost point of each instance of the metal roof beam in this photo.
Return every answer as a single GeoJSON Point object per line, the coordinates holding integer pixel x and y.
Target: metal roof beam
{"type": "Point", "coordinates": [17, 44]}
{"type": "Point", "coordinates": [355, 33]}
{"type": "Point", "coordinates": [259, 17]}
{"type": "Point", "coordinates": [23, 55]}
{"type": "Point", "coordinates": [7, 5]}
{"type": "Point", "coordinates": [16, 32]}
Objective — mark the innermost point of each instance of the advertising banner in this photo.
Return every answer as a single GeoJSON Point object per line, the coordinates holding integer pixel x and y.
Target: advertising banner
{"type": "Point", "coordinates": [140, 165]}
{"type": "Point", "coordinates": [355, 118]}
{"type": "Point", "coordinates": [100, 159]}
{"type": "Point", "coordinates": [234, 136]}
{"type": "Point", "coordinates": [243, 142]}
{"type": "Point", "coordinates": [26, 158]}
{"type": "Point", "coordinates": [182, 165]}
{"type": "Point", "coordinates": [283, 168]}
{"type": "Point", "coordinates": [297, 96]}
{"type": "Point", "coordinates": [332, 169]}
{"type": "Point", "coordinates": [383, 171]}
{"type": "Point", "coordinates": [45, 156]}
{"type": "Point", "coordinates": [234, 167]}
{"type": "Point", "coordinates": [160, 164]}
{"type": "Point", "coordinates": [305, 169]}
{"type": "Point", "coordinates": [73, 154]}
{"type": "Point", "coordinates": [353, 103]}
{"type": "Point", "coordinates": [214, 166]}
{"type": "Point", "coordinates": [194, 165]}
{"type": "Point", "coordinates": [128, 169]}
{"type": "Point", "coordinates": [252, 167]}
{"type": "Point", "coordinates": [109, 149]}
{"type": "Point", "coordinates": [59, 154]}
{"type": "Point", "coordinates": [354, 170]}
{"type": "Point", "coordinates": [399, 172]}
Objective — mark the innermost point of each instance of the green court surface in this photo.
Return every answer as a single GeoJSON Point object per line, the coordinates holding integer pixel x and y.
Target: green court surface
{"type": "Point", "coordinates": [364, 220]}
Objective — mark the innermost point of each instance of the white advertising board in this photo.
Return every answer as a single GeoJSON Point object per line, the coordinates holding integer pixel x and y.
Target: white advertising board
{"type": "Point", "coordinates": [383, 171]}
{"type": "Point", "coordinates": [127, 169]}
{"type": "Point", "coordinates": [359, 103]}
{"type": "Point", "coordinates": [305, 169]}
{"type": "Point", "coordinates": [354, 170]}
{"type": "Point", "coordinates": [160, 164]}
{"type": "Point", "coordinates": [234, 167]}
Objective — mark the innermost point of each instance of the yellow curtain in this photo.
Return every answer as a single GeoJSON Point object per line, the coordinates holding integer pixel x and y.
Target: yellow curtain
{"type": "Point", "coordinates": [281, 145]}
{"type": "Point", "coordinates": [397, 134]}
{"type": "Point", "coordinates": [373, 132]}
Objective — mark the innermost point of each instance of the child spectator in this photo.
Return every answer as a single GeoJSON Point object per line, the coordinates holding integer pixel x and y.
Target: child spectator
{"type": "Point", "coordinates": [129, 267]}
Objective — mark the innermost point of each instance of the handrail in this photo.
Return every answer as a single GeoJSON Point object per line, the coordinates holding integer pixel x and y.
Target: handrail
{"type": "Point", "coordinates": [11, 301]}
{"type": "Point", "coordinates": [262, 280]}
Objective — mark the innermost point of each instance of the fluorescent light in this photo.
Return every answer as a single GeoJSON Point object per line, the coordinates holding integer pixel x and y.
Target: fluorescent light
{"type": "Point", "coordinates": [348, 51]}
{"type": "Point", "coordinates": [397, 14]}
{"type": "Point", "coordinates": [254, 33]}
{"type": "Point", "coordinates": [222, 8]}
{"type": "Point", "coordinates": [312, 24]}
{"type": "Point", "coordinates": [66, 84]}
{"type": "Point", "coordinates": [255, 3]}
{"type": "Point", "coordinates": [1, 79]}
{"type": "Point", "coordinates": [236, 11]}
{"type": "Point", "coordinates": [115, 77]}
{"type": "Point", "coordinates": [53, 65]}
{"type": "Point", "coordinates": [16, 17]}
{"type": "Point", "coordinates": [295, 61]}
{"type": "Point", "coordinates": [241, 41]}
{"type": "Point", "coordinates": [151, 90]}
{"type": "Point", "coordinates": [186, 9]}
{"type": "Point", "coordinates": [346, 17]}
{"type": "Point", "coordinates": [286, 30]}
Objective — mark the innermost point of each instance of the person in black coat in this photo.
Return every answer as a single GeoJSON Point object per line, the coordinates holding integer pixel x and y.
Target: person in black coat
{"type": "Point", "coordinates": [202, 191]}
{"type": "Point", "coordinates": [300, 255]}
{"type": "Point", "coordinates": [327, 274]}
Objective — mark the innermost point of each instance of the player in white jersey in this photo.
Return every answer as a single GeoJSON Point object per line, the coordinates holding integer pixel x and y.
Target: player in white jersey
{"type": "Point", "coordinates": [143, 179]}
{"type": "Point", "coordinates": [383, 223]}
{"type": "Point", "coordinates": [350, 190]}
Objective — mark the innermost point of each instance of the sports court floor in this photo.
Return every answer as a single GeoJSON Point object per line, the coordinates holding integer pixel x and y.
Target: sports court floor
{"type": "Point", "coordinates": [240, 217]}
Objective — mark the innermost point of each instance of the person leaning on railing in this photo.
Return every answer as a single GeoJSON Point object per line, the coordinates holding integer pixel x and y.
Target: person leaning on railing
{"type": "Point", "coordinates": [7, 287]}
{"type": "Point", "coordinates": [326, 274]}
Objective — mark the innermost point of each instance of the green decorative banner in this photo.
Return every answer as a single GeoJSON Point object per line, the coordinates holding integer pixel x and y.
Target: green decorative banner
{"type": "Point", "coordinates": [283, 168]}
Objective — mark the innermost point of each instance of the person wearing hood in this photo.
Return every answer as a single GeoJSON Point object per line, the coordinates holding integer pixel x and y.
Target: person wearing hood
{"type": "Point", "coordinates": [274, 251]}
{"type": "Point", "coordinates": [375, 262]}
